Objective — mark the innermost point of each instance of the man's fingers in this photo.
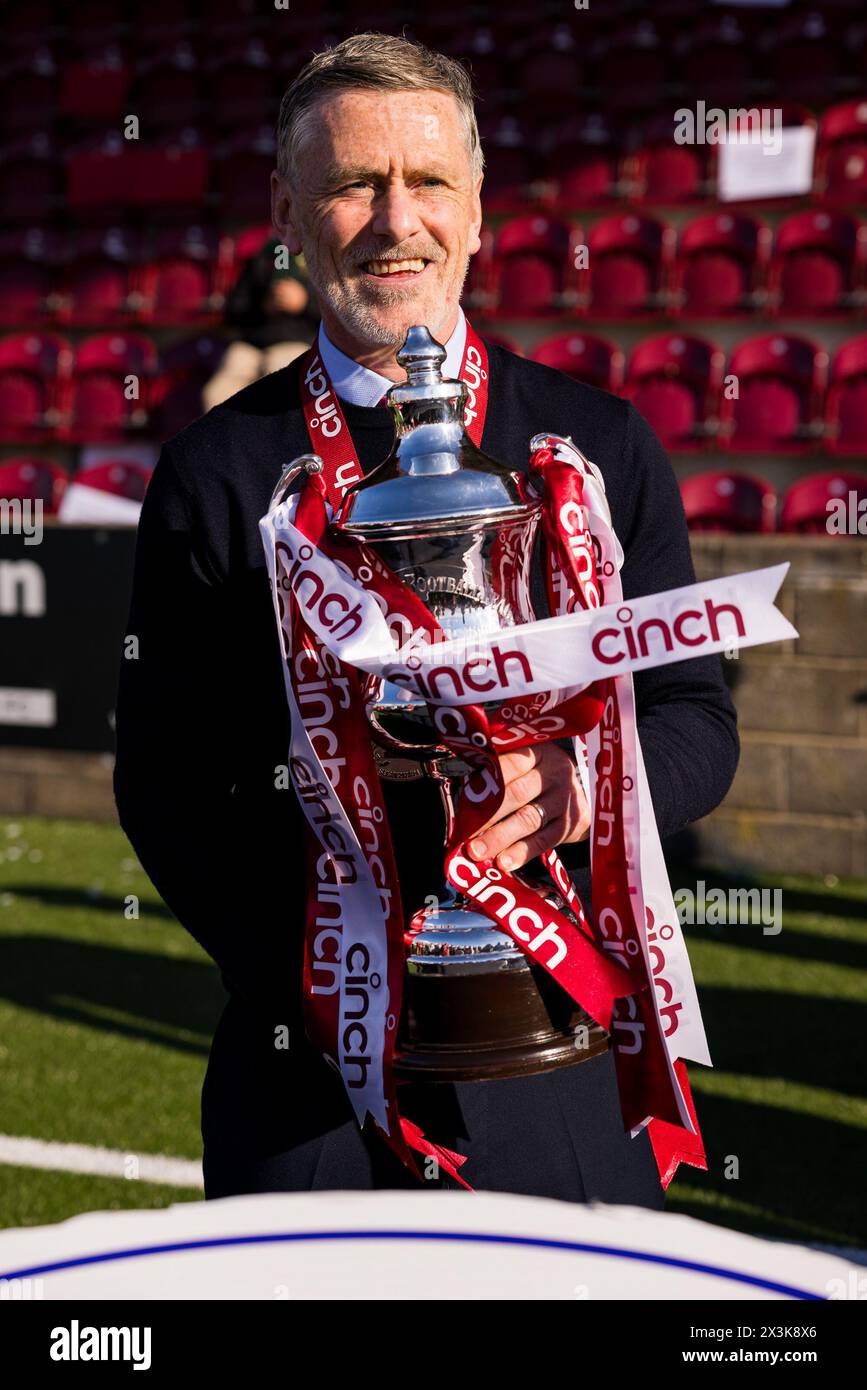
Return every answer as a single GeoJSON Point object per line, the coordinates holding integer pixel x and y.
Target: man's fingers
{"type": "Point", "coordinates": [541, 776]}
{"type": "Point", "coordinates": [529, 774]}
{"type": "Point", "coordinates": [529, 845]}
{"type": "Point", "coordinates": [523, 824]}
{"type": "Point", "coordinates": [525, 788]}
{"type": "Point", "coordinates": [518, 764]}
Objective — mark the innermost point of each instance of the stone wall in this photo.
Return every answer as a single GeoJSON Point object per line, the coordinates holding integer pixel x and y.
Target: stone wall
{"type": "Point", "coordinates": [799, 802]}
{"type": "Point", "coordinates": [48, 782]}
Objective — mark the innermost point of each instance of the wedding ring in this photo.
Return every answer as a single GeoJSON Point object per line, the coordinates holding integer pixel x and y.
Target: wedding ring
{"type": "Point", "coordinates": [540, 811]}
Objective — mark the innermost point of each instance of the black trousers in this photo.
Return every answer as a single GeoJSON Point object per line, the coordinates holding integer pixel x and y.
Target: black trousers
{"type": "Point", "coordinates": [277, 1120]}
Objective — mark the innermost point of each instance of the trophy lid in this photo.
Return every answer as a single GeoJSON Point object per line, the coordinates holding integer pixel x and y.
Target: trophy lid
{"type": "Point", "coordinates": [434, 476]}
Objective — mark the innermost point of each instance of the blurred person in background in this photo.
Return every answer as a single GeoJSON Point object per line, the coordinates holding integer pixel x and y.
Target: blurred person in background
{"type": "Point", "coordinates": [275, 314]}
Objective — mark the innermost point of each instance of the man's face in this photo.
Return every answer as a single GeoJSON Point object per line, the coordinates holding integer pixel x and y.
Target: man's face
{"type": "Point", "coordinates": [385, 210]}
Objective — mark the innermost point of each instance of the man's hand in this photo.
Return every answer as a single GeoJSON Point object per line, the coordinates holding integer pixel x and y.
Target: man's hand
{"type": "Point", "coordinates": [543, 777]}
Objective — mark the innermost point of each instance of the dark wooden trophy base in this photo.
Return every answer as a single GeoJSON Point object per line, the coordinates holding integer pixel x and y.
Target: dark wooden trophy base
{"type": "Point", "coordinates": [474, 1021]}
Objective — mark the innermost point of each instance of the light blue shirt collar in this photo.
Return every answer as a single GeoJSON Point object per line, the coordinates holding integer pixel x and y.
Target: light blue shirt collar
{"type": "Point", "coordinates": [362, 386]}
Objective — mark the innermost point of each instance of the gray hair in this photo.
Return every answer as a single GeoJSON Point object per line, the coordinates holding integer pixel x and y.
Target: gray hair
{"type": "Point", "coordinates": [377, 62]}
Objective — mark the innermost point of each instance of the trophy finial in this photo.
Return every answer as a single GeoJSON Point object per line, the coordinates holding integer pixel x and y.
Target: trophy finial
{"type": "Point", "coordinates": [425, 481]}
{"type": "Point", "coordinates": [421, 357]}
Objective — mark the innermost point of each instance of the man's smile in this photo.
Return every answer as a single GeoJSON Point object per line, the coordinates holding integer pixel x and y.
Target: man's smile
{"type": "Point", "coordinates": [397, 270]}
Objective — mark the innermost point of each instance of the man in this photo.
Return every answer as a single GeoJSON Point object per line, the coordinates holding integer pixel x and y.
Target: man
{"type": "Point", "coordinates": [274, 316]}
{"type": "Point", "coordinates": [378, 184]}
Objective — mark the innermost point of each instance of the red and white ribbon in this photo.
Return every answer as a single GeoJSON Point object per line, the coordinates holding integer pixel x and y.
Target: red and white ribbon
{"type": "Point", "coordinates": [342, 612]}
{"type": "Point", "coordinates": [571, 650]}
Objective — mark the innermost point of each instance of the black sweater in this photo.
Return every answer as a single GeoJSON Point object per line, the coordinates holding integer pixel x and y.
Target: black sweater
{"type": "Point", "coordinates": [202, 721]}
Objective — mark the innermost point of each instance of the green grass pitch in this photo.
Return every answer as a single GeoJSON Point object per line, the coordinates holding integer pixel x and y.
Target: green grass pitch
{"type": "Point", "coordinates": [105, 1023]}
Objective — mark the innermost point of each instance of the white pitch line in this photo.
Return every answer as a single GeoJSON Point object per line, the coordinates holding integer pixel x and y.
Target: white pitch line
{"type": "Point", "coordinates": [110, 1163]}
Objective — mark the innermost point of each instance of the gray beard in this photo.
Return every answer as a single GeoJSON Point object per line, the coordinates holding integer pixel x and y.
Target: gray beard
{"type": "Point", "coordinates": [360, 319]}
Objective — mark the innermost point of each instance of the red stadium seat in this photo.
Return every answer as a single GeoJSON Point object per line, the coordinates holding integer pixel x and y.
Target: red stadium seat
{"type": "Point", "coordinates": [95, 86]}
{"type": "Point", "coordinates": [167, 89]}
{"type": "Point", "coordinates": [673, 17]}
{"type": "Point", "coordinates": [101, 172]}
{"type": "Point", "coordinates": [31, 186]}
{"type": "Point", "coordinates": [109, 390]}
{"type": "Point", "coordinates": [107, 493]}
{"type": "Point", "coordinates": [660, 171]}
{"type": "Point", "coordinates": [174, 21]}
{"type": "Point", "coordinates": [809, 504]}
{"type": "Point", "coordinates": [178, 281]}
{"type": "Point", "coordinates": [242, 170]}
{"type": "Point", "coordinates": [96, 287]}
{"type": "Point", "coordinates": [93, 21]}
{"type": "Point", "coordinates": [198, 352]}
{"type": "Point", "coordinates": [235, 251]}
{"type": "Point", "coordinates": [780, 380]}
{"type": "Point", "coordinates": [33, 370]}
{"type": "Point", "coordinates": [846, 405]}
{"type": "Point", "coordinates": [629, 66]}
{"type": "Point", "coordinates": [120, 477]}
{"type": "Point", "coordinates": [728, 501]}
{"type": "Point", "coordinates": [26, 26]}
{"type": "Point", "coordinates": [482, 48]}
{"type": "Point", "coordinates": [185, 368]}
{"type": "Point", "coordinates": [27, 267]}
{"type": "Point", "coordinates": [110, 171]}
{"type": "Point", "coordinates": [716, 58]}
{"type": "Point", "coordinates": [674, 380]}
{"type": "Point", "coordinates": [803, 57]}
{"type": "Point", "coordinates": [584, 357]}
{"type": "Point", "coordinates": [308, 32]}
{"type": "Point", "coordinates": [33, 480]}
{"type": "Point", "coordinates": [549, 71]}
{"type": "Point", "coordinates": [438, 25]}
{"type": "Point", "coordinates": [818, 264]}
{"type": "Point", "coordinates": [30, 82]}
{"type": "Point", "coordinates": [841, 173]}
{"type": "Point", "coordinates": [629, 261]}
{"type": "Point", "coordinates": [237, 18]}
{"type": "Point", "coordinates": [241, 85]}
{"type": "Point", "coordinates": [533, 272]}
{"type": "Point", "coordinates": [172, 171]}
{"type": "Point", "coordinates": [720, 266]}
{"type": "Point", "coordinates": [479, 292]}
{"type": "Point", "coordinates": [581, 159]}
{"type": "Point", "coordinates": [511, 163]}
{"type": "Point", "coordinates": [249, 242]}
{"type": "Point", "coordinates": [116, 352]}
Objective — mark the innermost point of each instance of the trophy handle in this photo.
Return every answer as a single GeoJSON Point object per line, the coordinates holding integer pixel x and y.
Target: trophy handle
{"type": "Point", "coordinates": [445, 772]}
{"type": "Point", "coordinates": [304, 463]}
{"type": "Point", "coordinates": [445, 780]}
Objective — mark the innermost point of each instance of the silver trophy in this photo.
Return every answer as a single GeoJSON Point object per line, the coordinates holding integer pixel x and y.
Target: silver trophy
{"type": "Point", "coordinates": [459, 529]}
